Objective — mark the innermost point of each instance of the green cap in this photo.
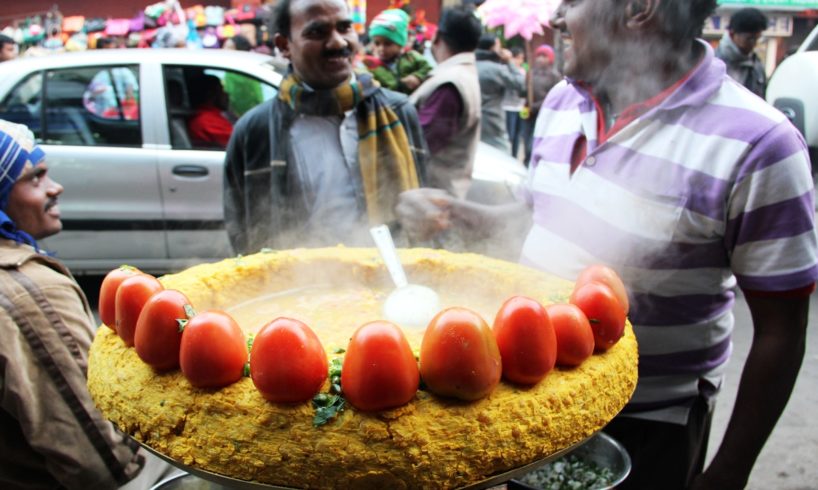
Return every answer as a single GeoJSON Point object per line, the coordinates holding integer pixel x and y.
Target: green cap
{"type": "Point", "coordinates": [393, 24]}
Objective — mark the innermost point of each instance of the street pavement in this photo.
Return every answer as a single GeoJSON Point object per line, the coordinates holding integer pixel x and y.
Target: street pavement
{"type": "Point", "coordinates": [789, 460]}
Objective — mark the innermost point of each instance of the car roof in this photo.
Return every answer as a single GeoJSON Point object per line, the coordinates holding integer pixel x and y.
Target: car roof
{"type": "Point", "coordinates": [205, 57]}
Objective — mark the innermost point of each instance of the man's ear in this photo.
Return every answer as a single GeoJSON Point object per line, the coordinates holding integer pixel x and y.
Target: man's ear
{"type": "Point", "coordinates": [283, 45]}
{"type": "Point", "coordinates": [639, 12]}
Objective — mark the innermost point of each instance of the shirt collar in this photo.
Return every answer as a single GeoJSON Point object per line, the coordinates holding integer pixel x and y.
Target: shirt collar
{"type": "Point", "coordinates": [692, 89]}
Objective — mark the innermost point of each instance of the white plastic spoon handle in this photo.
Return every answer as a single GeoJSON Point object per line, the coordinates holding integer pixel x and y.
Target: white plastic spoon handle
{"type": "Point", "coordinates": [386, 246]}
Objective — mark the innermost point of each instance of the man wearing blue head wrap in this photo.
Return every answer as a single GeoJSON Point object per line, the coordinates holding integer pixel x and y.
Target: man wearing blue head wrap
{"type": "Point", "coordinates": [21, 160]}
{"type": "Point", "coordinates": [52, 434]}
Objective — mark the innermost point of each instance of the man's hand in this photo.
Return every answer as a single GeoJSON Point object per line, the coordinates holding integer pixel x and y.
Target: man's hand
{"type": "Point", "coordinates": [411, 82]}
{"type": "Point", "coordinates": [424, 212]}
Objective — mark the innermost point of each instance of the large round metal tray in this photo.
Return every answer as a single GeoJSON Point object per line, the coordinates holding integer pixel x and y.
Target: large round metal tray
{"type": "Point", "coordinates": [236, 484]}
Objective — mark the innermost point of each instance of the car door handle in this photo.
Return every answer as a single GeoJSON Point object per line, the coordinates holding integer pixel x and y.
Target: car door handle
{"type": "Point", "coordinates": [190, 170]}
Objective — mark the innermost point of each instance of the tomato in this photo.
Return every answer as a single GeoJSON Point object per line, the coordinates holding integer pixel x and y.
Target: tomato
{"type": "Point", "coordinates": [459, 356]}
{"type": "Point", "coordinates": [158, 335]}
{"type": "Point", "coordinates": [131, 296]}
{"type": "Point", "coordinates": [288, 364]}
{"type": "Point", "coordinates": [604, 313]}
{"type": "Point", "coordinates": [213, 350]}
{"type": "Point", "coordinates": [609, 277]}
{"type": "Point", "coordinates": [380, 371]}
{"type": "Point", "coordinates": [575, 339]}
{"type": "Point", "coordinates": [107, 293]}
{"type": "Point", "coordinates": [525, 337]}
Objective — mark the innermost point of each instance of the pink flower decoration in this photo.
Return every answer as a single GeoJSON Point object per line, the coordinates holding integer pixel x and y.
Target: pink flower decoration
{"type": "Point", "coordinates": [523, 17]}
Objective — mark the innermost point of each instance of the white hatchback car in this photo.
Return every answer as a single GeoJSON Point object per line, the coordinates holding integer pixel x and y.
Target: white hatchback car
{"type": "Point", "coordinates": [137, 189]}
{"type": "Point", "coordinates": [792, 90]}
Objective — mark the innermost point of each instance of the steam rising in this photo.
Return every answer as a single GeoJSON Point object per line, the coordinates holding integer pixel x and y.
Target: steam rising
{"type": "Point", "coordinates": [627, 65]}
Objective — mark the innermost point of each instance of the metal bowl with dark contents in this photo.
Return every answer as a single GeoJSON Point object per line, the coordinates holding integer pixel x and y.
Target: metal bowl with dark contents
{"type": "Point", "coordinates": [601, 463]}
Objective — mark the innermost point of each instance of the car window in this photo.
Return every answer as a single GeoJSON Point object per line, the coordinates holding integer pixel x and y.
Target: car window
{"type": "Point", "coordinates": [93, 106]}
{"type": "Point", "coordinates": [88, 106]}
{"type": "Point", "coordinates": [112, 94]}
{"type": "Point", "coordinates": [196, 120]}
{"type": "Point", "coordinates": [245, 92]}
{"type": "Point", "coordinates": [22, 104]}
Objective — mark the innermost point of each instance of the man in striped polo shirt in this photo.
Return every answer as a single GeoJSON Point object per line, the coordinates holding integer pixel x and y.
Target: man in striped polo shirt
{"type": "Point", "coordinates": [650, 159]}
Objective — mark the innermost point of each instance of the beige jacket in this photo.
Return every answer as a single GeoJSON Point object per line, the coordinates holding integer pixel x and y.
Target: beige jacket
{"type": "Point", "coordinates": [451, 167]}
{"type": "Point", "coordinates": [51, 434]}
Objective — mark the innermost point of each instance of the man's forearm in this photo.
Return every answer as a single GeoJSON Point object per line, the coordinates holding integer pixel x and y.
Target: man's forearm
{"type": "Point", "coordinates": [766, 383]}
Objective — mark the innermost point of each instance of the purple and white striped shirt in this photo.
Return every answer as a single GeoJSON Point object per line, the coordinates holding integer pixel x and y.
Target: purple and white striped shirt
{"type": "Point", "coordinates": [708, 190]}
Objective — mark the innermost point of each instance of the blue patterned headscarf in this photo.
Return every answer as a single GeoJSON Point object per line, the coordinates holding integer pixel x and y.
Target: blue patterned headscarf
{"type": "Point", "coordinates": [17, 148]}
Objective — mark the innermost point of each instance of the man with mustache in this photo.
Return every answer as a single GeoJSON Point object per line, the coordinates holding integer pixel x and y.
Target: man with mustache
{"type": "Point", "coordinates": [327, 158]}
{"type": "Point", "coordinates": [651, 159]}
{"type": "Point", "coordinates": [52, 434]}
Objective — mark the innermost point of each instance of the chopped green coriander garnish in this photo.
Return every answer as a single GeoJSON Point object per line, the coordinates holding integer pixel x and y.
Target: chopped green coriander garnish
{"type": "Point", "coordinates": [570, 473]}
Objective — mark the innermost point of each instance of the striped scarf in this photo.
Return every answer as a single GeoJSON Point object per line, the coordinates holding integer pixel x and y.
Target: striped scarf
{"type": "Point", "coordinates": [384, 155]}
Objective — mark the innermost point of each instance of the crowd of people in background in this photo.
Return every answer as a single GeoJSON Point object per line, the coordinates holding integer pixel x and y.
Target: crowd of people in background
{"type": "Point", "coordinates": [396, 48]}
